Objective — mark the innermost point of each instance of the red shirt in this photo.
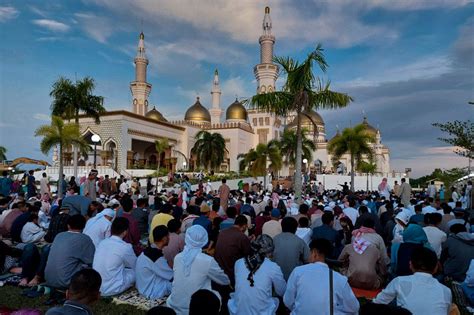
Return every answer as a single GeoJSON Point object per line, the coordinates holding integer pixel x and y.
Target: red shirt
{"type": "Point", "coordinates": [133, 235]}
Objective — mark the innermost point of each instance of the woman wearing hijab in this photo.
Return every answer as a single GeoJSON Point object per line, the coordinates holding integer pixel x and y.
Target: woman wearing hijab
{"type": "Point", "coordinates": [384, 189]}
{"type": "Point", "coordinates": [255, 276]}
{"type": "Point", "coordinates": [414, 238]}
{"type": "Point", "coordinates": [193, 271]}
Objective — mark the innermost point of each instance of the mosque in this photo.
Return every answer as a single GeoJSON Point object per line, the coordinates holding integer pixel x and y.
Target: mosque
{"type": "Point", "coordinates": [127, 137]}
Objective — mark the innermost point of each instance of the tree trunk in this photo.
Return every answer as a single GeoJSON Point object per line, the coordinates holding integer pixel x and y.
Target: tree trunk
{"type": "Point", "coordinates": [352, 173]}
{"type": "Point", "coordinates": [158, 164]}
{"type": "Point", "coordinates": [60, 178]}
{"type": "Point", "coordinates": [298, 182]}
{"type": "Point", "coordinates": [367, 182]}
{"type": "Point", "coordinates": [74, 149]}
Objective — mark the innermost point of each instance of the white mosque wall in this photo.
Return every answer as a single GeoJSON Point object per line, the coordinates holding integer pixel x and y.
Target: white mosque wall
{"type": "Point", "coordinates": [360, 181]}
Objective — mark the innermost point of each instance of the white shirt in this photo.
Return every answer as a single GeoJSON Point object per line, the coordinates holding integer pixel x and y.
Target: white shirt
{"type": "Point", "coordinates": [256, 300]}
{"type": "Point", "coordinates": [351, 213]}
{"type": "Point", "coordinates": [31, 233]}
{"type": "Point", "coordinates": [301, 298]}
{"type": "Point", "coordinates": [97, 229]}
{"type": "Point", "coordinates": [271, 228]}
{"type": "Point", "coordinates": [455, 197]}
{"type": "Point", "coordinates": [123, 187]}
{"type": "Point", "coordinates": [419, 293]}
{"type": "Point", "coordinates": [204, 269]}
{"type": "Point", "coordinates": [44, 186]}
{"type": "Point", "coordinates": [208, 188]}
{"type": "Point", "coordinates": [431, 190]}
{"type": "Point", "coordinates": [436, 238]}
{"type": "Point", "coordinates": [115, 260]}
{"type": "Point", "coordinates": [153, 279]}
{"type": "Point", "coordinates": [428, 209]}
{"type": "Point", "coordinates": [305, 234]}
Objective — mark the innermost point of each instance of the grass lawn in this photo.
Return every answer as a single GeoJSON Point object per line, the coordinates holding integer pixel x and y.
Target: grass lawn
{"type": "Point", "coordinates": [11, 297]}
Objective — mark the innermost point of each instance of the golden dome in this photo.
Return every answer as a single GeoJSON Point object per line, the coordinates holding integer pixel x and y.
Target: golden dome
{"type": "Point", "coordinates": [370, 129]}
{"type": "Point", "coordinates": [308, 120]}
{"type": "Point", "coordinates": [236, 111]}
{"type": "Point", "coordinates": [155, 115]}
{"type": "Point", "coordinates": [197, 113]}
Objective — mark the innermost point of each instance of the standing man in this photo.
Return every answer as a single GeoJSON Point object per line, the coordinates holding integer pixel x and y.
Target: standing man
{"type": "Point", "coordinates": [31, 186]}
{"type": "Point", "coordinates": [106, 186]}
{"type": "Point", "coordinates": [5, 184]}
{"type": "Point", "coordinates": [44, 185]}
{"type": "Point", "coordinates": [431, 190]}
{"type": "Point", "coordinates": [123, 186]}
{"type": "Point", "coordinates": [224, 192]}
{"type": "Point", "coordinates": [396, 188]}
{"type": "Point", "coordinates": [90, 186]}
{"type": "Point", "coordinates": [405, 192]}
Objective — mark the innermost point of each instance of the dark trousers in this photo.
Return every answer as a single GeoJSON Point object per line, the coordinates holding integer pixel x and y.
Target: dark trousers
{"type": "Point", "coordinates": [30, 260]}
{"type": "Point", "coordinates": [224, 291]}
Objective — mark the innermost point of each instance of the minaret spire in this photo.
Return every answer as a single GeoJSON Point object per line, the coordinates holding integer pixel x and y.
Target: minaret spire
{"type": "Point", "coordinates": [140, 88]}
{"type": "Point", "coordinates": [216, 110]}
{"type": "Point", "coordinates": [266, 72]}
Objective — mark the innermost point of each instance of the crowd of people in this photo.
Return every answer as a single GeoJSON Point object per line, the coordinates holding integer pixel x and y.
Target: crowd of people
{"type": "Point", "coordinates": [248, 250]}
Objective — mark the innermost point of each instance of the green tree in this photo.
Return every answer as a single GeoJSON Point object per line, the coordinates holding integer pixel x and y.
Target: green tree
{"type": "Point", "coordinates": [301, 91]}
{"type": "Point", "coordinates": [354, 141]}
{"type": "Point", "coordinates": [261, 159]}
{"type": "Point", "coordinates": [287, 146]}
{"type": "Point", "coordinates": [160, 147]}
{"type": "Point", "coordinates": [3, 153]}
{"type": "Point", "coordinates": [70, 99]}
{"type": "Point", "coordinates": [369, 168]}
{"type": "Point", "coordinates": [63, 135]}
{"type": "Point", "coordinates": [209, 149]}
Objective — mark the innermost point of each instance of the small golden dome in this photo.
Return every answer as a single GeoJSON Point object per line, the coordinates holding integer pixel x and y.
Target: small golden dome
{"type": "Point", "coordinates": [155, 115]}
{"type": "Point", "coordinates": [308, 120]}
{"type": "Point", "coordinates": [236, 111]}
{"type": "Point", "coordinates": [370, 129]}
{"type": "Point", "coordinates": [197, 113]}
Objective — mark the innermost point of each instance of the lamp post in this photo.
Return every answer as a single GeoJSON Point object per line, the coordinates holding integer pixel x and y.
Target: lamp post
{"type": "Point", "coordinates": [305, 162]}
{"type": "Point", "coordinates": [96, 139]}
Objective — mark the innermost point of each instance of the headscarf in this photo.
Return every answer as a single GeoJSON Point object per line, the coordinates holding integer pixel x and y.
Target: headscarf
{"type": "Point", "coordinates": [414, 233]}
{"type": "Point", "coordinates": [106, 212]}
{"type": "Point", "coordinates": [196, 238]}
{"type": "Point", "coordinates": [275, 199]}
{"type": "Point", "coordinates": [261, 247]}
{"type": "Point", "coordinates": [383, 184]}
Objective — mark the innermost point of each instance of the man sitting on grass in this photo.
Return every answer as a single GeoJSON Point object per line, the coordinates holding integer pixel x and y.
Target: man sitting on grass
{"type": "Point", "coordinates": [83, 291]}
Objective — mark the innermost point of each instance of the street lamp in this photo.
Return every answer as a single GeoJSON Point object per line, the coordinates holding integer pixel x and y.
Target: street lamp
{"type": "Point", "coordinates": [96, 139]}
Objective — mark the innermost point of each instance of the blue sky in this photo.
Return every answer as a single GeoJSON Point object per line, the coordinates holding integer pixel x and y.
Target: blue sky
{"type": "Point", "coordinates": [406, 63]}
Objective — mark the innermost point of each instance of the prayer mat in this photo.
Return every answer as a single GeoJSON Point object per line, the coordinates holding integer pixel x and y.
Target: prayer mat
{"type": "Point", "coordinates": [134, 298]}
{"type": "Point", "coordinates": [368, 294]}
{"type": "Point", "coordinates": [459, 298]}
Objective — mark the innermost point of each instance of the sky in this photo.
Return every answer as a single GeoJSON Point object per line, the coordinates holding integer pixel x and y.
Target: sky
{"type": "Point", "coordinates": [406, 63]}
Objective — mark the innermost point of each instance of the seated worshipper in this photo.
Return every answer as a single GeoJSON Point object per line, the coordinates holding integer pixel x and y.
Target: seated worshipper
{"type": "Point", "coordinates": [468, 284]}
{"type": "Point", "coordinates": [70, 252]}
{"type": "Point", "coordinates": [368, 234]}
{"type": "Point", "coordinates": [459, 217]}
{"type": "Point", "coordinates": [204, 302]}
{"type": "Point", "coordinates": [328, 232]}
{"type": "Point", "coordinates": [419, 293]}
{"type": "Point", "coordinates": [273, 227]}
{"type": "Point", "coordinates": [133, 234]}
{"type": "Point", "coordinates": [203, 219]}
{"type": "Point", "coordinates": [20, 222]}
{"type": "Point", "coordinates": [57, 225]}
{"type": "Point", "coordinates": [304, 231]}
{"type": "Point", "coordinates": [302, 211]}
{"type": "Point", "coordinates": [436, 237]}
{"type": "Point", "coordinates": [232, 244]}
{"type": "Point", "coordinates": [255, 277]}
{"type": "Point", "coordinates": [261, 219]}
{"type": "Point", "coordinates": [153, 273]}
{"type": "Point", "coordinates": [447, 216]}
{"type": "Point", "coordinates": [427, 208]}
{"type": "Point", "coordinates": [364, 214]}
{"type": "Point", "coordinates": [401, 220]}
{"type": "Point", "coordinates": [363, 265]}
{"type": "Point", "coordinates": [193, 271]}
{"type": "Point", "coordinates": [140, 213]}
{"type": "Point", "coordinates": [77, 204]}
{"type": "Point", "coordinates": [457, 252]}
{"type": "Point", "coordinates": [162, 218]}
{"type": "Point", "coordinates": [115, 260]}
{"type": "Point", "coordinates": [193, 214]}
{"type": "Point", "coordinates": [351, 212]}
{"type": "Point", "coordinates": [414, 239]}
{"type": "Point", "coordinates": [316, 276]}
{"type": "Point", "coordinates": [175, 242]}
{"type": "Point", "coordinates": [177, 210]}
{"type": "Point", "coordinates": [290, 250]}
{"type": "Point", "coordinates": [345, 233]}
{"type": "Point", "coordinates": [31, 231]}
{"type": "Point", "coordinates": [98, 227]}
{"type": "Point", "coordinates": [231, 214]}
{"type": "Point", "coordinates": [418, 217]}
{"type": "Point", "coordinates": [82, 293]}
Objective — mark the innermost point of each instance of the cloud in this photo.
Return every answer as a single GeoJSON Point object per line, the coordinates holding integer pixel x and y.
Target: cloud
{"type": "Point", "coordinates": [8, 13]}
{"type": "Point", "coordinates": [42, 117]}
{"type": "Point", "coordinates": [97, 27]}
{"type": "Point", "coordinates": [52, 25]}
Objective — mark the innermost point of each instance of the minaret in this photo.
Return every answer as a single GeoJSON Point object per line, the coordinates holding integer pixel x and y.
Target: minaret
{"type": "Point", "coordinates": [216, 111]}
{"type": "Point", "coordinates": [140, 88]}
{"type": "Point", "coordinates": [266, 72]}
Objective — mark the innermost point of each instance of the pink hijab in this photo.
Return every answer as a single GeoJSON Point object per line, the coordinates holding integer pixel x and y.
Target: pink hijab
{"type": "Point", "coordinates": [383, 184]}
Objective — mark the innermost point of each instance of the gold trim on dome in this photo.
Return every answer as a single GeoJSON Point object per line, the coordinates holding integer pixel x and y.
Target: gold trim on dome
{"type": "Point", "coordinates": [197, 113]}
{"type": "Point", "coordinates": [236, 111]}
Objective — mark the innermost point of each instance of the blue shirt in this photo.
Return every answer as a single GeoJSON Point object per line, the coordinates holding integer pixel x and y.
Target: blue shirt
{"type": "Point", "coordinates": [204, 222]}
{"type": "Point", "coordinates": [5, 186]}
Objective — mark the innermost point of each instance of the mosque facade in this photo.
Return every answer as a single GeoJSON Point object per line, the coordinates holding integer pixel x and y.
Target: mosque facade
{"type": "Point", "coordinates": [128, 136]}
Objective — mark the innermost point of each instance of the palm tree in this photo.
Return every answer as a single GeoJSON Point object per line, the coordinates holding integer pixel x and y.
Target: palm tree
{"type": "Point", "coordinates": [64, 135]}
{"type": "Point", "coordinates": [71, 99]}
{"type": "Point", "coordinates": [301, 91]}
{"type": "Point", "coordinates": [3, 153]}
{"type": "Point", "coordinates": [354, 141]}
{"type": "Point", "coordinates": [160, 146]}
{"type": "Point", "coordinates": [287, 146]}
{"type": "Point", "coordinates": [209, 149]}
{"type": "Point", "coordinates": [256, 160]}
{"type": "Point", "coordinates": [369, 168]}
